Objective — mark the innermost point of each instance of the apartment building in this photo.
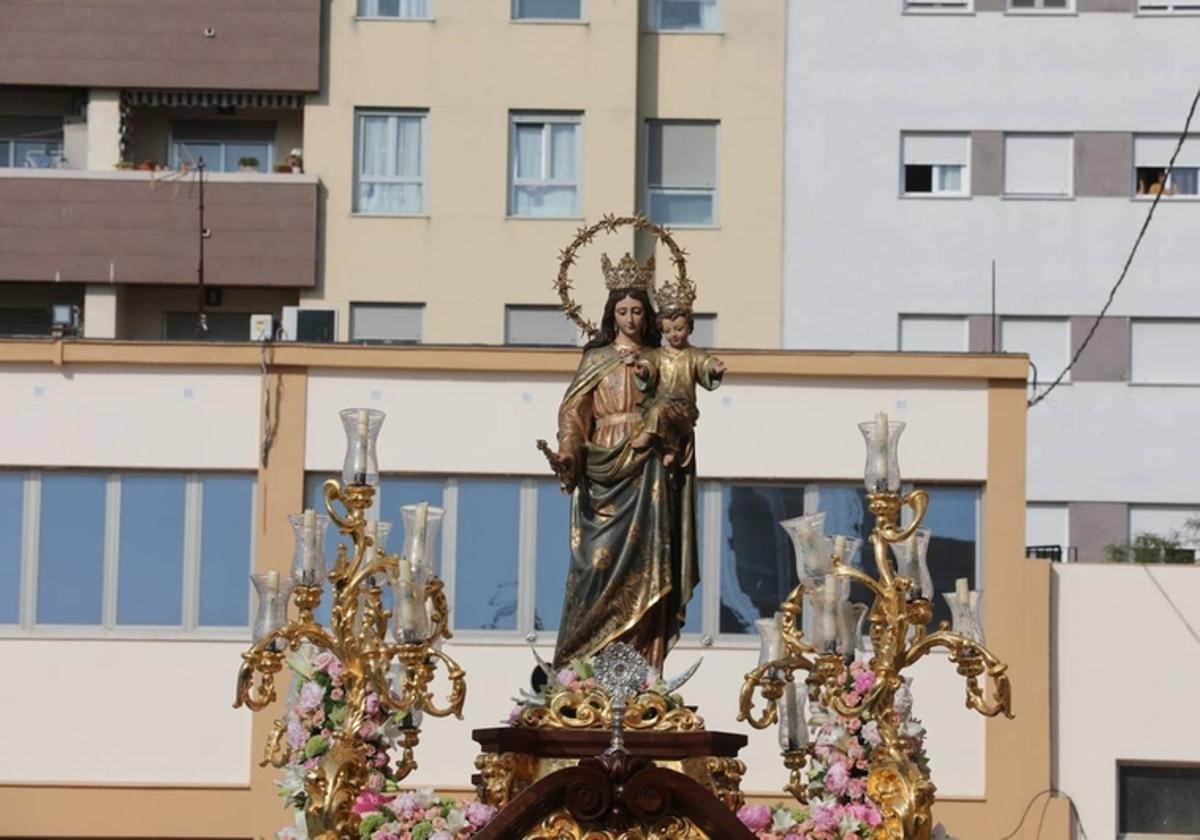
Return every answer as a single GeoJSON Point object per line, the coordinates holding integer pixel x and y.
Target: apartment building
{"type": "Point", "coordinates": [930, 141]}
{"type": "Point", "coordinates": [381, 170]}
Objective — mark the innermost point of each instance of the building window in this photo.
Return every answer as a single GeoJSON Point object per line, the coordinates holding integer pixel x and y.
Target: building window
{"type": "Point", "coordinates": [390, 168]}
{"type": "Point", "coordinates": [171, 551]}
{"type": "Point", "coordinates": [704, 333]}
{"type": "Point", "coordinates": [31, 142]}
{"type": "Point", "coordinates": [1161, 800]}
{"type": "Point", "coordinates": [386, 323]}
{"type": "Point", "coordinates": [1151, 155]}
{"type": "Point", "coordinates": [933, 334]}
{"type": "Point", "coordinates": [402, 9]}
{"type": "Point", "coordinates": [544, 165]}
{"type": "Point", "coordinates": [1046, 340]}
{"type": "Point", "coordinates": [937, 5]}
{"type": "Point", "coordinates": [547, 10]}
{"type": "Point", "coordinates": [1169, 6]}
{"type": "Point", "coordinates": [936, 164]}
{"type": "Point", "coordinates": [685, 15]}
{"type": "Point", "coordinates": [1046, 531]}
{"type": "Point", "coordinates": [224, 145]}
{"type": "Point", "coordinates": [1038, 164]}
{"type": "Point", "coordinates": [1040, 5]}
{"type": "Point", "coordinates": [1164, 352]}
{"type": "Point", "coordinates": [681, 172]}
{"type": "Point", "coordinates": [539, 325]}
{"type": "Point", "coordinates": [1172, 522]}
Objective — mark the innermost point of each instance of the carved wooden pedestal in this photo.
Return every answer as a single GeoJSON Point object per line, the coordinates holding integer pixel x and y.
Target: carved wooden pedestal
{"type": "Point", "coordinates": [552, 783]}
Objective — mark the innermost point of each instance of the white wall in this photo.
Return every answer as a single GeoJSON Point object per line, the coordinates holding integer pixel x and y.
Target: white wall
{"type": "Point", "coordinates": [171, 418]}
{"type": "Point", "coordinates": [1125, 645]}
{"type": "Point", "coordinates": [123, 712]}
{"type": "Point", "coordinates": [752, 428]}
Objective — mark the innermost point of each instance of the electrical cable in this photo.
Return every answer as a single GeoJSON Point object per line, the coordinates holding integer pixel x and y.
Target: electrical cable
{"type": "Point", "coordinates": [1037, 398]}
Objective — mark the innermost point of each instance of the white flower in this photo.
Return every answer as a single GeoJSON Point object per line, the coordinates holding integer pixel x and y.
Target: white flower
{"type": "Point", "coordinates": [782, 820]}
{"type": "Point", "coordinates": [456, 820]}
{"type": "Point", "coordinates": [425, 797]}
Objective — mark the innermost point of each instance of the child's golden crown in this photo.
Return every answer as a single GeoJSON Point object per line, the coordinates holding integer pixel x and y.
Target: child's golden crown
{"type": "Point", "coordinates": [677, 297]}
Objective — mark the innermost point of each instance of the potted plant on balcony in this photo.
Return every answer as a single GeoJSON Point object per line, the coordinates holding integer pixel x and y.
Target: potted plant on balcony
{"type": "Point", "coordinates": [248, 164]}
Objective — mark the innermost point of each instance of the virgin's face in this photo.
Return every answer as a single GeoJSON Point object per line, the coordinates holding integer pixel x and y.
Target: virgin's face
{"type": "Point", "coordinates": [631, 318]}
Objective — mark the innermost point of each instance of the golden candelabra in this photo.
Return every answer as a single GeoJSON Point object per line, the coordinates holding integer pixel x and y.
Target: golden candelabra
{"type": "Point", "coordinates": [398, 672]}
{"type": "Point", "coordinates": [897, 622]}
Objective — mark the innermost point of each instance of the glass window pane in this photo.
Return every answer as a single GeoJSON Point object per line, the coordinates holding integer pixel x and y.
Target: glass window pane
{"type": "Point", "coordinates": [562, 151]}
{"type": "Point", "coordinates": [1160, 800]}
{"type": "Point", "coordinates": [694, 620]}
{"type": "Point", "coordinates": [553, 554]}
{"type": "Point", "coordinates": [150, 565]}
{"type": "Point", "coordinates": [954, 519]}
{"type": "Point", "coordinates": [12, 508]}
{"type": "Point", "coordinates": [687, 14]}
{"type": "Point", "coordinates": [757, 568]}
{"type": "Point", "coordinates": [408, 147]}
{"type": "Point", "coordinates": [544, 201]}
{"type": "Point", "coordinates": [191, 152]}
{"type": "Point", "coordinates": [548, 9]}
{"type": "Point", "coordinates": [485, 580]}
{"type": "Point", "coordinates": [71, 549]}
{"type": "Point", "coordinates": [225, 540]}
{"type": "Point", "coordinates": [949, 178]}
{"type": "Point", "coordinates": [390, 198]}
{"type": "Point", "coordinates": [235, 152]}
{"type": "Point", "coordinates": [374, 153]}
{"type": "Point", "coordinates": [681, 208]}
{"type": "Point", "coordinates": [527, 140]}
{"type": "Point", "coordinates": [846, 514]}
{"type": "Point", "coordinates": [6, 151]}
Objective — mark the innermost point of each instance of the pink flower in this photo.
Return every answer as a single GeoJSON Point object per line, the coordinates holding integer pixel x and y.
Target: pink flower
{"type": "Point", "coordinates": [479, 814]}
{"type": "Point", "coordinates": [372, 703]}
{"type": "Point", "coordinates": [870, 733]}
{"type": "Point", "coordinates": [825, 817]}
{"type": "Point", "coordinates": [856, 788]}
{"type": "Point", "coordinates": [865, 812]}
{"type": "Point", "coordinates": [755, 817]}
{"type": "Point", "coordinates": [375, 781]}
{"type": "Point", "coordinates": [441, 835]}
{"type": "Point", "coordinates": [295, 734]}
{"type": "Point", "coordinates": [568, 677]}
{"type": "Point", "coordinates": [836, 779]}
{"type": "Point", "coordinates": [368, 801]}
{"type": "Point", "coordinates": [311, 696]}
{"type": "Point", "coordinates": [515, 715]}
{"type": "Point", "coordinates": [385, 834]}
{"type": "Point", "coordinates": [336, 694]}
{"type": "Point", "coordinates": [864, 681]}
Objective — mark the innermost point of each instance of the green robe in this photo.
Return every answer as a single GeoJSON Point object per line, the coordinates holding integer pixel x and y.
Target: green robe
{"type": "Point", "coordinates": [633, 556]}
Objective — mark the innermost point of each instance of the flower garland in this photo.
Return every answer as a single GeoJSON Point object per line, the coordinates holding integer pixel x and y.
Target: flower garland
{"type": "Point", "coordinates": [580, 677]}
{"type": "Point", "coordinates": [419, 815]}
{"type": "Point", "coordinates": [836, 773]}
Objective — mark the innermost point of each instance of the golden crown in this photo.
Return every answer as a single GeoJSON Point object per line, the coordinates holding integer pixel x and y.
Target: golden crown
{"type": "Point", "coordinates": [676, 296]}
{"type": "Point", "coordinates": [628, 274]}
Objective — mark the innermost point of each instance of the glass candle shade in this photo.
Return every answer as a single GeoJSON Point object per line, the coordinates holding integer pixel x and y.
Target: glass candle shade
{"type": "Point", "coordinates": [273, 591]}
{"type": "Point", "coordinates": [812, 551]}
{"type": "Point", "coordinates": [911, 563]}
{"type": "Point", "coordinates": [964, 611]}
{"type": "Point", "coordinates": [850, 627]}
{"type": "Point", "coordinates": [361, 465]}
{"type": "Point", "coordinates": [308, 559]}
{"type": "Point", "coordinates": [827, 601]}
{"type": "Point", "coordinates": [410, 613]}
{"type": "Point", "coordinates": [846, 548]}
{"type": "Point", "coordinates": [882, 471]}
{"type": "Point", "coordinates": [793, 728]}
{"type": "Point", "coordinates": [421, 523]}
{"type": "Point", "coordinates": [379, 533]}
{"type": "Point", "coordinates": [770, 633]}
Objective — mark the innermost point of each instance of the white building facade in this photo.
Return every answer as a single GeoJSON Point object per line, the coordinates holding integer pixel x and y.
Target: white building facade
{"type": "Point", "coordinates": [927, 142]}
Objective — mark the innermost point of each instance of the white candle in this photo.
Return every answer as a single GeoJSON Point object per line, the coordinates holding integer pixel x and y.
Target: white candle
{"type": "Point", "coordinates": [839, 547]}
{"type": "Point", "coordinates": [776, 650]}
{"type": "Point", "coordinates": [794, 716]}
{"type": "Point", "coordinates": [964, 594]}
{"type": "Point", "coordinates": [829, 632]}
{"type": "Point", "coordinates": [273, 582]}
{"type": "Point", "coordinates": [406, 612]}
{"type": "Point", "coordinates": [420, 524]}
{"type": "Point", "coordinates": [361, 436]}
{"type": "Point", "coordinates": [406, 573]}
{"type": "Point", "coordinates": [880, 454]}
{"type": "Point", "coordinates": [909, 569]}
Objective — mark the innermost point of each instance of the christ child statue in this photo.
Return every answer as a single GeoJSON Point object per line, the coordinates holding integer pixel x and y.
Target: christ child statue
{"type": "Point", "coordinates": [670, 374]}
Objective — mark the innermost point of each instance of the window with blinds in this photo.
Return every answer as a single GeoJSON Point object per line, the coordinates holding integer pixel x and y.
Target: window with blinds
{"type": "Point", "coordinates": [681, 172]}
{"type": "Point", "coordinates": [1039, 165]}
{"type": "Point", "coordinates": [935, 164]}
{"type": "Point", "coordinates": [1151, 158]}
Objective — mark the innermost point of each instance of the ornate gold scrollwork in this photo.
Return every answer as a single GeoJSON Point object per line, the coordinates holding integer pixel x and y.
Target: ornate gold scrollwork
{"type": "Point", "coordinates": [573, 709]}
{"type": "Point", "coordinates": [503, 775]}
{"type": "Point", "coordinates": [562, 826]}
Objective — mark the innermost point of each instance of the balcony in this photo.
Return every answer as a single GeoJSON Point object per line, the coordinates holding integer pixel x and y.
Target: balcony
{"type": "Point", "coordinates": [143, 228]}
{"type": "Point", "coordinates": [271, 45]}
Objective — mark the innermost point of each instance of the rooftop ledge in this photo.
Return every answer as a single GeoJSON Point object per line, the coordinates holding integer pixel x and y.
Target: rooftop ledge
{"type": "Point", "coordinates": [1012, 368]}
{"type": "Point", "coordinates": [166, 175]}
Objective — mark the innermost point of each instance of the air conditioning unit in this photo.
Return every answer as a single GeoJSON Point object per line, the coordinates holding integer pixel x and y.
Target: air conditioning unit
{"type": "Point", "coordinates": [309, 325]}
{"type": "Point", "coordinates": [262, 327]}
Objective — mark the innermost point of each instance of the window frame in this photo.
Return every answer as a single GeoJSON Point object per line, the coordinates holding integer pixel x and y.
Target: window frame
{"type": "Point", "coordinates": [1168, 7]}
{"type": "Point", "coordinates": [174, 159]}
{"type": "Point", "coordinates": [189, 628]}
{"type": "Point", "coordinates": [515, 18]}
{"type": "Point", "coordinates": [964, 190]}
{"type": "Point", "coordinates": [654, 21]}
{"type": "Point", "coordinates": [546, 119]}
{"type": "Point", "coordinates": [1166, 194]}
{"type": "Point", "coordinates": [1137, 377]}
{"type": "Point", "coordinates": [358, 15]}
{"type": "Point", "coordinates": [359, 148]}
{"type": "Point", "coordinates": [715, 191]}
{"type": "Point", "coordinates": [1039, 8]}
{"type": "Point", "coordinates": [1123, 764]}
{"type": "Point", "coordinates": [938, 7]}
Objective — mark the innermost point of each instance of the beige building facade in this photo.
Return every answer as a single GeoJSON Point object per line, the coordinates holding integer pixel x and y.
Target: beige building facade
{"type": "Point", "coordinates": [449, 150]}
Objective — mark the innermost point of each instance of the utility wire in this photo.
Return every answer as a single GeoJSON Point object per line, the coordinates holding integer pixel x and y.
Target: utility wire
{"type": "Point", "coordinates": [1037, 398]}
{"type": "Point", "coordinates": [1052, 793]}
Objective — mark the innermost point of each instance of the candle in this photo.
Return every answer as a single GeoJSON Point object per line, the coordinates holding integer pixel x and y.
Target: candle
{"type": "Point", "coordinates": [776, 650]}
{"type": "Point", "coordinates": [839, 547]}
{"type": "Point", "coordinates": [793, 717]}
{"type": "Point", "coordinates": [420, 523]}
{"type": "Point", "coordinates": [371, 529]}
{"type": "Point", "coordinates": [829, 632]}
{"type": "Point", "coordinates": [964, 594]}
{"type": "Point", "coordinates": [361, 436]}
{"type": "Point", "coordinates": [273, 582]}
{"type": "Point", "coordinates": [406, 612]}
{"type": "Point", "coordinates": [879, 452]}
{"type": "Point", "coordinates": [406, 573]}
